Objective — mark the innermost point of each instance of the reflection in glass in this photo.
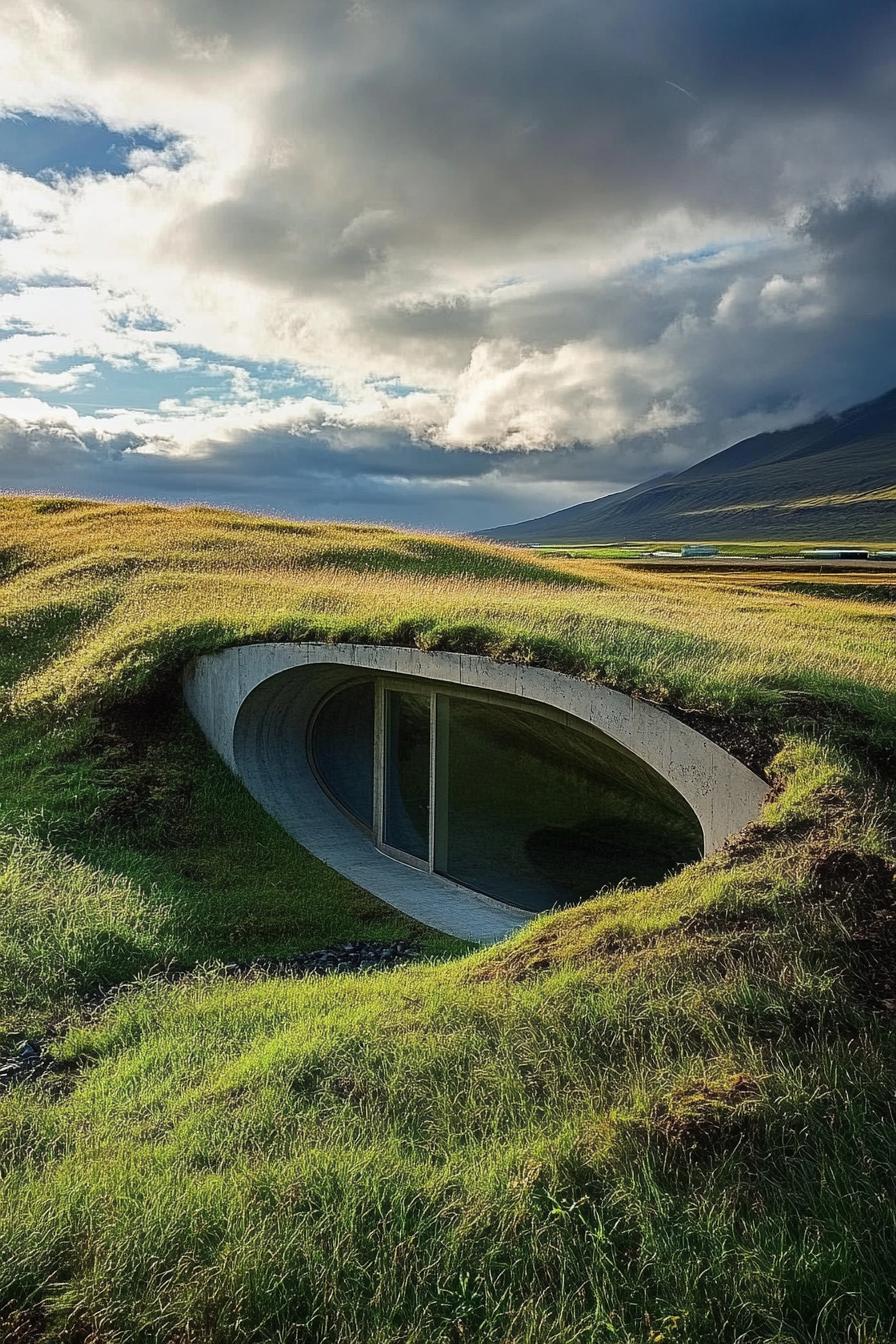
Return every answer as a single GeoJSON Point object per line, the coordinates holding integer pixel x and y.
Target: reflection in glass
{"type": "Point", "coordinates": [342, 748]}
{"type": "Point", "coordinates": [528, 810]}
{"type": "Point", "coordinates": [536, 814]}
{"type": "Point", "coordinates": [406, 773]}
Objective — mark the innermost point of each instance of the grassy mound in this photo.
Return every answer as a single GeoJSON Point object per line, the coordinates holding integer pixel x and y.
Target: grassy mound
{"type": "Point", "coordinates": [664, 1115]}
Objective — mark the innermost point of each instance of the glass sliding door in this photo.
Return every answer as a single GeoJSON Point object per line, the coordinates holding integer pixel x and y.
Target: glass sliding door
{"type": "Point", "coordinates": [496, 787]}
{"type": "Point", "coordinates": [536, 815]}
{"type": "Point", "coordinates": [406, 747]}
{"type": "Point", "coordinates": [498, 798]}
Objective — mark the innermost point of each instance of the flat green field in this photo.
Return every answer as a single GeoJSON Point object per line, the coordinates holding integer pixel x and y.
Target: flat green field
{"type": "Point", "coordinates": [665, 1116]}
{"type": "Point", "coordinates": [740, 549]}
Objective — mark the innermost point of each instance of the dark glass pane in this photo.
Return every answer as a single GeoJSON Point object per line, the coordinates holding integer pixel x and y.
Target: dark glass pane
{"type": "Point", "coordinates": [536, 814]}
{"type": "Point", "coordinates": [342, 748]}
{"type": "Point", "coordinates": [406, 773]}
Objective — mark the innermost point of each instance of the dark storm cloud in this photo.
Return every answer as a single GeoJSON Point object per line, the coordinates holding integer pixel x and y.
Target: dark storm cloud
{"type": "Point", "coordinates": [573, 95]}
{"type": "Point", "coordinates": [857, 241]}
{"type": "Point", "coordinates": [478, 125]}
{"type": "Point", "coordinates": [396, 480]}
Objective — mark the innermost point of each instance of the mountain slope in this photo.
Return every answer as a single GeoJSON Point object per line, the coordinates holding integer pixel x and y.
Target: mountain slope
{"type": "Point", "coordinates": [834, 478]}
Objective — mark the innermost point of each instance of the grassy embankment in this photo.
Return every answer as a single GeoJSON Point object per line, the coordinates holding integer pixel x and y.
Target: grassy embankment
{"type": "Point", "coordinates": [665, 1114]}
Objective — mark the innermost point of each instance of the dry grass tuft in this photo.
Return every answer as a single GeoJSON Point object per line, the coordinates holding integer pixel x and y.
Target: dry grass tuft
{"type": "Point", "coordinates": [702, 1116]}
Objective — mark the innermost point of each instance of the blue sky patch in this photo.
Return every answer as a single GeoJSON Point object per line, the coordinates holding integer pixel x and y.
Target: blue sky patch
{"type": "Point", "coordinates": [139, 387]}
{"type": "Point", "coordinates": [38, 146]}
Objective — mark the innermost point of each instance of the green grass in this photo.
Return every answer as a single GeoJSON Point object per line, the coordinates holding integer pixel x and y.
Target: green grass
{"type": "Point", "coordinates": [763, 549]}
{"type": "Point", "coordinates": [128, 860]}
{"type": "Point", "coordinates": [664, 1115]}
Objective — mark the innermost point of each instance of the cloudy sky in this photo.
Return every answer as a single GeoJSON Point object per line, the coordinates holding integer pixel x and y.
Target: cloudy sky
{"type": "Point", "coordinates": [439, 262]}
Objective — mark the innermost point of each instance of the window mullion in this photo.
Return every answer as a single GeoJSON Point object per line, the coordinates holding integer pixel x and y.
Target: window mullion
{"type": "Point", "coordinates": [433, 717]}
{"type": "Point", "coordinates": [440, 783]}
{"type": "Point", "coordinates": [379, 755]}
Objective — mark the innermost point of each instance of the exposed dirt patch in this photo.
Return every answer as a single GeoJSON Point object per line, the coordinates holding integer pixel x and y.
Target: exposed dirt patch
{"type": "Point", "coordinates": [143, 765]}
{"type": "Point", "coordinates": [858, 883]}
{"type": "Point", "coordinates": [610, 952]}
{"type": "Point", "coordinates": [543, 949]}
{"type": "Point", "coordinates": [853, 592]}
{"type": "Point", "coordinates": [718, 937]}
{"type": "Point", "coordinates": [861, 890]}
{"type": "Point", "coordinates": [706, 1115]}
{"type": "Point", "coordinates": [750, 843]}
{"type": "Point", "coordinates": [538, 954]}
{"type": "Point", "coordinates": [23, 1326]}
{"type": "Point", "coordinates": [566, 940]}
{"type": "Point", "coordinates": [707, 923]}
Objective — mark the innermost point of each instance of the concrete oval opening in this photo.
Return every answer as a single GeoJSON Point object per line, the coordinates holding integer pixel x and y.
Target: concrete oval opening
{"type": "Point", "coordinates": [468, 793]}
{"type": "Point", "coordinates": [502, 798]}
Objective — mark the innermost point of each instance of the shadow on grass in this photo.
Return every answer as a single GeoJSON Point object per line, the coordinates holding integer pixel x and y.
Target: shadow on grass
{"type": "Point", "coordinates": [129, 848]}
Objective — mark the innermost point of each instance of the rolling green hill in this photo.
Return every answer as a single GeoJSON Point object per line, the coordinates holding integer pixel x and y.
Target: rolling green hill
{"type": "Point", "coordinates": [832, 479]}
{"type": "Point", "coordinates": [664, 1116]}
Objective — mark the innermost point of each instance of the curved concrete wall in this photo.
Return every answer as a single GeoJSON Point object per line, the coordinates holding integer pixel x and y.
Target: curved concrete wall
{"type": "Point", "coordinates": [254, 703]}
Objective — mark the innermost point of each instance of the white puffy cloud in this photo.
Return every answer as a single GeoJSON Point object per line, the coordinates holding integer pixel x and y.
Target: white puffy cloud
{"type": "Point", "coordinates": [579, 392]}
{"type": "Point", "coordinates": [775, 301]}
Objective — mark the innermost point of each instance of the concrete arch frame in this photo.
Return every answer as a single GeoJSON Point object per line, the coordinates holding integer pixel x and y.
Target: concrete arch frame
{"type": "Point", "coordinates": [254, 703]}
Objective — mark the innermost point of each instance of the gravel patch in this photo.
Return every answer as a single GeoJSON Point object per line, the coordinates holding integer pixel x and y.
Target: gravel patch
{"type": "Point", "coordinates": [28, 1058]}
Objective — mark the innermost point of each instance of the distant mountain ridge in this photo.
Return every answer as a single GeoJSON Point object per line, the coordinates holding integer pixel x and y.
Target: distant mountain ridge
{"type": "Point", "coordinates": [832, 479]}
